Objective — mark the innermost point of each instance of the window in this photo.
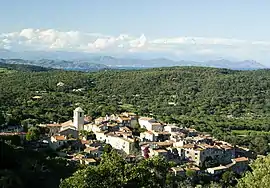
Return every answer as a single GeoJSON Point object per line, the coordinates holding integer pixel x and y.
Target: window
{"type": "Point", "coordinates": [80, 114]}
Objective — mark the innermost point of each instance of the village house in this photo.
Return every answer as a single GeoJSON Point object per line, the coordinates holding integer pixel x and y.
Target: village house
{"type": "Point", "coordinates": [240, 165]}
{"type": "Point", "coordinates": [172, 128]}
{"type": "Point", "coordinates": [178, 171]}
{"type": "Point", "coordinates": [177, 136]}
{"type": "Point", "coordinates": [199, 153]}
{"type": "Point", "coordinates": [191, 132]}
{"type": "Point", "coordinates": [101, 136]}
{"type": "Point", "coordinates": [150, 124]}
{"type": "Point", "coordinates": [95, 127]}
{"type": "Point", "coordinates": [124, 121]}
{"type": "Point", "coordinates": [94, 151]}
{"type": "Point", "coordinates": [125, 144]}
{"type": "Point", "coordinates": [128, 119]}
{"type": "Point", "coordinates": [53, 128]}
{"type": "Point", "coordinates": [216, 170]}
{"type": "Point", "coordinates": [57, 141]}
{"type": "Point", "coordinates": [162, 136]}
{"type": "Point", "coordinates": [177, 153]}
{"type": "Point", "coordinates": [147, 136]}
{"type": "Point", "coordinates": [99, 120]}
{"type": "Point", "coordinates": [113, 126]}
{"type": "Point", "coordinates": [237, 165]}
{"type": "Point", "coordinates": [88, 161]}
{"type": "Point", "coordinates": [158, 152]}
{"type": "Point", "coordinates": [125, 130]}
{"type": "Point", "coordinates": [163, 145]}
{"type": "Point", "coordinates": [153, 136]}
{"type": "Point", "coordinates": [69, 131]}
{"type": "Point", "coordinates": [199, 140]}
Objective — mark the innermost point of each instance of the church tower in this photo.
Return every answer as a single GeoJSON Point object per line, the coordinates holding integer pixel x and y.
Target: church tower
{"type": "Point", "coordinates": [78, 119]}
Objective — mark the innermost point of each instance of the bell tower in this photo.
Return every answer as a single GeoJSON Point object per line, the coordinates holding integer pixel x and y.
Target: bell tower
{"type": "Point", "coordinates": [78, 119]}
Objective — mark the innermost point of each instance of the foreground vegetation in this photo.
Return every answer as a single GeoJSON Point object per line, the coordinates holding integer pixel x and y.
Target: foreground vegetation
{"type": "Point", "coordinates": [24, 168]}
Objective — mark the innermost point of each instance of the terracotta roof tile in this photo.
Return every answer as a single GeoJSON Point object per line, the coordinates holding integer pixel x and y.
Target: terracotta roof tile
{"type": "Point", "coordinates": [60, 138]}
{"type": "Point", "coordinates": [91, 149]}
{"type": "Point", "coordinates": [240, 159]}
{"type": "Point", "coordinates": [67, 123]}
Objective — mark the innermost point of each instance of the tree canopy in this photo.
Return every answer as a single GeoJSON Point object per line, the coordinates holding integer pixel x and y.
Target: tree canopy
{"type": "Point", "coordinates": [114, 171]}
{"type": "Point", "coordinates": [21, 167]}
{"type": "Point", "coordinates": [33, 134]}
{"type": "Point", "coordinates": [260, 175]}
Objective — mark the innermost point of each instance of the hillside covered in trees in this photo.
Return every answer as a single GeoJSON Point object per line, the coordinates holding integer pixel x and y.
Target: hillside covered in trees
{"type": "Point", "coordinates": [232, 105]}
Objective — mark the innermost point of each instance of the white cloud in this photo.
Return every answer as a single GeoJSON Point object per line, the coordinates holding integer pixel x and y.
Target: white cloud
{"type": "Point", "coordinates": [50, 39]}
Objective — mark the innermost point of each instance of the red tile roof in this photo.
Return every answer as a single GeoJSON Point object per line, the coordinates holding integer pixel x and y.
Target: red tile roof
{"type": "Point", "coordinates": [85, 141]}
{"type": "Point", "coordinates": [67, 123]}
{"type": "Point", "coordinates": [89, 149]}
{"type": "Point", "coordinates": [189, 146]}
{"type": "Point", "coordinates": [60, 138]}
{"type": "Point", "coordinates": [240, 159]}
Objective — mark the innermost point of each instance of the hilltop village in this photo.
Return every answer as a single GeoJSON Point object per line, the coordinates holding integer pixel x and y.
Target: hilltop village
{"type": "Point", "coordinates": [84, 140]}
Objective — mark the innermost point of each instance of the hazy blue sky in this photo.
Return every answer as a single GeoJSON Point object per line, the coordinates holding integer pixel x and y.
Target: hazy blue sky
{"type": "Point", "coordinates": [246, 20]}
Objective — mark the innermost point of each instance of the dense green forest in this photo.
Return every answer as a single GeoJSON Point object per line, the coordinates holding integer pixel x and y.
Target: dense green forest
{"type": "Point", "coordinates": [219, 101]}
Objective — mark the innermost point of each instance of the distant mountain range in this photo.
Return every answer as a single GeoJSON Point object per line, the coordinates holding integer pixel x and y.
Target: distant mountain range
{"type": "Point", "coordinates": [91, 62]}
{"type": "Point", "coordinates": [162, 62]}
{"type": "Point", "coordinates": [58, 64]}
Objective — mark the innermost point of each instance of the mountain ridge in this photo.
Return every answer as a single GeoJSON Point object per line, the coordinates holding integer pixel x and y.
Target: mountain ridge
{"type": "Point", "coordinates": [89, 62]}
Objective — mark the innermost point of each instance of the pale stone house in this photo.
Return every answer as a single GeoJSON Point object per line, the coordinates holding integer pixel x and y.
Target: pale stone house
{"type": "Point", "coordinates": [172, 128]}
{"type": "Point", "coordinates": [153, 136]}
{"type": "Point", "coordinates": [202, 152]}
{"type": "Point", "coordinates": [178, 171]}
{"type": "Point", "coordinates": [150, 124]}
{"type": "Point", "coordinates": [69, 131]}
{"type": "Point", "coordinates": [158, 152]}
{"type": "Point", "coordinates": [94, 151]}
{"type": "Point", "coordinates": [57, 141]}
{"type": "Point", "coordinates": [125, 144]}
